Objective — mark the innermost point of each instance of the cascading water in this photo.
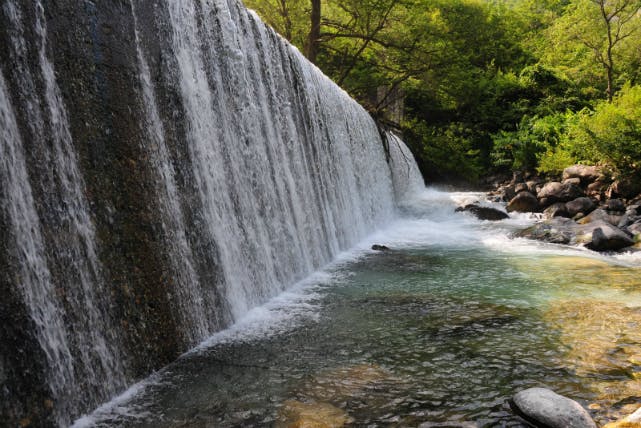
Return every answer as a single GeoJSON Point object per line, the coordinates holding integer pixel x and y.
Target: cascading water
{"type": "Point", "coordinates": [158, 179]}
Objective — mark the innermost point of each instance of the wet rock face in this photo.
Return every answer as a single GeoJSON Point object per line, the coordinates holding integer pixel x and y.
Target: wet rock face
{"type": "Point", "coordinates": [546, 409]}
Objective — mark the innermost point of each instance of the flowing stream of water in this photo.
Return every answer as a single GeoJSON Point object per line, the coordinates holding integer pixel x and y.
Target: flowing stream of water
{"type": "Point", "coordinates": [439, 331]}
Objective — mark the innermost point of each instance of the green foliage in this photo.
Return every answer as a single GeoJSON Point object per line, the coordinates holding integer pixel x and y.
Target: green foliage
{"type": "Point", "coordinates": [445, 152]}
{"type": "Point", "coordinates": [613, 131]}
{"type": "Point", "coordinates": [487, 84]}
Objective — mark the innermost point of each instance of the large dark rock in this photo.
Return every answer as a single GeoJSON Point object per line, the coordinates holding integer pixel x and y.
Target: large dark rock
{"type": "Point", "coordinates": [378, 247]}
{"type": "Point", "coordinates": [586, 173]}
{"type": "Point", "coordinates": [484, 213]}
{"type": "Point", "coordinates": [546, 409]}
{"type": "Point", "coordinates": [609, 238]}
{"type": "Point", "coordinates": [583, 205]}
{"type": "Point", "coordinates": [558, 192]}
{"type": "Point", "coordinates": [523, 202]}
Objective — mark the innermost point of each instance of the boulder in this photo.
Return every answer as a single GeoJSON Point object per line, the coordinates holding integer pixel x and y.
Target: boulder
{"type": "Point", "coordinates": [533, 186]}
{"type": "Point", "coordinates": [609, 238]}
{"type": "Point", "coordinates": [484, 213]}
{"type": "Point", "coordinates": [521, 187]}
{"type": "Point", "coordinates": [583, 205]}
{"type": "Point", "coordinates": [596, 190]}
{"type": "Point", "coordinates": [506, 192]}
{"type": "Point", "coordinates": [575, 181]}
{"type": "Point", "coordinates": [557, 209]}
{"type": "Point", "coordinates": [615, 205]}
{"type": "Point", "coordinates": [585, 173]}
{"type": "Point", "coordinates": [545, 408]}
{"type": "Point", "coordinates": [624, 188]}
{"type": "Point", "coordinates": [602, 215]}
{"type": "Point", "coordinates": [558, 192]}
{"type": "Point", "coordinates": [523, 202]}
{"type": "Point", "coordinates": [634, 229]}
{"type": "Point", "coordinates": [558, 230]}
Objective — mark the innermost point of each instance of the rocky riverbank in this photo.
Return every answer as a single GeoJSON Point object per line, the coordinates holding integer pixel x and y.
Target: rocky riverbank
{"type": "Point", "coordinates": [585, 207]}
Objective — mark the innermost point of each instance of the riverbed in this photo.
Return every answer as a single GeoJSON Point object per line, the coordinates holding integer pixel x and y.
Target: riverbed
{"type": "Point", "coordinates": [439, 331]}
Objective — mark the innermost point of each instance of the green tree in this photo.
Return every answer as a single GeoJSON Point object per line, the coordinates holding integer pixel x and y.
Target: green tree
{"type": "Point", "coordinates": [597, 33]}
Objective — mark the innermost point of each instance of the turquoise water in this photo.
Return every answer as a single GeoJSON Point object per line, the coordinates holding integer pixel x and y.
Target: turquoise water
{"type": "Point", "coordinates": [439, 331]}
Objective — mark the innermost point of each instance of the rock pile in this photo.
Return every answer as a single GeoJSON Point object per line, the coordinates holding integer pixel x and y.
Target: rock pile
{"type": "Point", "coordinates": [585, 207]}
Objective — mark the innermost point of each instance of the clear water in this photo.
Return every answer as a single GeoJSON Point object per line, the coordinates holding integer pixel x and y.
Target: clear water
{"type": "Point", "coordinates": [439, 331]}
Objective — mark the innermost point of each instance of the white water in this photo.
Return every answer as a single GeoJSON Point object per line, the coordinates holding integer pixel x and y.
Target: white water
{"type": "Point", "coordinates": [198, 319]}
{"type": "Point", "coordinates": [299, 197]}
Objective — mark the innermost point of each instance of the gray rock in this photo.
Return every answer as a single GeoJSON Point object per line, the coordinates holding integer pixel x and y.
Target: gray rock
{"type": "Point", "coordinates": [624, 188]}
{"type": "Point", "coordinates": [556, 210]}
{"type": "Point", "coordinates": [575, 181]}
{"type": "Point", "coordinates": [532, 186]}
{"type": "Point", "coordinates": [615, 205]}
{"type": "Point", "coordinates": [600, 214]}
{"type": "Point", "coordinates": [634, 229]}
{"type": "Point", "coordinates": [545, 408]}
{"type": "Point", "coordinates": [585, 173]}
{"type": "Point", "coordinates": [609, 238]}
{"type": "Point", "coordinates": [596, 190]}
{"type": "Point", "coordinates": [558, 192]}
{"type": "Point", "coordinates": [583, 205]}
{"type": "Point", "coordinates": [507, 192]}
{"type": "Point", "coordinates": [558, 230]}
{"type": "Point", "coordinates": [521, 187]}
{"type": "Point", "coordinates": [484, 213]}
{"type": "Point", "coordinates": [523, 202]}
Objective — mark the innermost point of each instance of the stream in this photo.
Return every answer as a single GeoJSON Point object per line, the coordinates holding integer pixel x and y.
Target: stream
{"type": "Point", "coordinates": [439, 331]}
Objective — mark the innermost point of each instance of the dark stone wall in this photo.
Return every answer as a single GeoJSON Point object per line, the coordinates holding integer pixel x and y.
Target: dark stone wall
{"type": "Point", "coordinates": [94, 49]}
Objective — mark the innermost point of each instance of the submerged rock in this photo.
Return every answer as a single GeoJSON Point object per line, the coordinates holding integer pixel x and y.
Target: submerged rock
{"type": "Point", "coordinates": [484, 213]}
{"type": "Point", "coordinates": [296, 414]}
{"type": "Point", "coordinates": [558, 230]}
{"type": "Point", "coordinates": [546, 408]}
{"type": "Point", "coordinates": [631, 421]}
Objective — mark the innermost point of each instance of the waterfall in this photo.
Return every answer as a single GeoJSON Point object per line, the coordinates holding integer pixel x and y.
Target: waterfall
{"type": "Point", "coordinates": [164, 168]}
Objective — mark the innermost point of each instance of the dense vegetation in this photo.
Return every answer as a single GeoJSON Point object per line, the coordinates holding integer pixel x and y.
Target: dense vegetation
{"type": "Point", "coordinates": [485, 86]}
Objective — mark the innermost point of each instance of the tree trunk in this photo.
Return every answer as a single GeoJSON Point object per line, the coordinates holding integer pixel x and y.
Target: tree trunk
{"type": "Point", "coordinates": [313, 40]}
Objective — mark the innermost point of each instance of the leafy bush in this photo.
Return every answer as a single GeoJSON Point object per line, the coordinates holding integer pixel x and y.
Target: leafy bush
{"type": "Point", "coordinates": [522, 149]}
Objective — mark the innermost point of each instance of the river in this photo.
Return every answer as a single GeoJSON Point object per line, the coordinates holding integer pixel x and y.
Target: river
{"type": "Point", "coordinates": [441, 330]}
